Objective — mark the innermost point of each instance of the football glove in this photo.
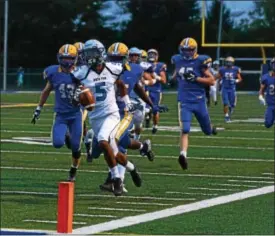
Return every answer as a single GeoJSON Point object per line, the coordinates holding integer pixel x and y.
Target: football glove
{"type": "Point", "coordinates": [36, 114]}
{"type": "Point", "coordinates": [131, 107]}
{"type": "Point", "coordinates": [190, 76]}
{"type": "Point", "coordinates": [262, 100]}
{"type": "Point", "coordinates": [76, 95]}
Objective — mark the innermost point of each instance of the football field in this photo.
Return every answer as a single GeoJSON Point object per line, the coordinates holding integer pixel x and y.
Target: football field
{"type": "Point", "coordinates": [233, 172]}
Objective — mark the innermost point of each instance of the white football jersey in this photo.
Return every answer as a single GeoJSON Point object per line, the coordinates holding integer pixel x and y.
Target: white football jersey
{"type": "Point", "coordinates": [102, 86]}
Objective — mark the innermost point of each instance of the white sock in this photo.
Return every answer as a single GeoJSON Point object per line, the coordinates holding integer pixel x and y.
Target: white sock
{"type": "Point", "coordinates": [129, 166]}
{"type": "Point", "coordinates": [226, 115]}
{"type": "Point", "coordinates": [141, 146]}
{"type": "Point", "coordinates": [184, 153]}
{"type": "Point", "coordinates": [155, 126]}
{"type": "Point", "coordinates": [121, 170]}
{"type": "Point", "coordinates": [74, 166]}
{"type": "Point", "coordinates": [114, 172]}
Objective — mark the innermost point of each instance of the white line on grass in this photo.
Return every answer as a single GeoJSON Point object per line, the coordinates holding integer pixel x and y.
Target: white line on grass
{"type": "Point", "coordinates": [51, 221]}
{"type": "Point", "coordinates": [203, 194]}
{"type": "Point", "coordinates": [268, 174]}
{"type": "Point", "coordinates": [235, 185]}
{"type": "Point", "coordinates": [133, 220]}
{"type": "Point", "coordinates": [222, 147]}
{"type": "Point", "coordinates": [213, 189]}
{"type": "Point", "coordinates": [170, 157]}
{"type": "Point", "coordinates": [145, 203]}
{"type": "Point", "coordinates": [251, 181]}
{"type": "Point", "coordinates": [100, 216]}
{"type": "Point", "coordinates": [101, 195]}
{"type": "Point", "coordinates": [145, 173]}
{"type": "Point", "coordinates": [115, 209]}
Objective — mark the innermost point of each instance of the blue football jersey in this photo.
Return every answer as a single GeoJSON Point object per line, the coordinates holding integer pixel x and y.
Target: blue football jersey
{"type": "Point", "coordinates": [130, 79]}
{"type": "Point", "coordinates": [229, 76]}
{"type": "Point", "coordinates": [190, 91]}
{"type": "Point", "coordinates": [64, 88]}
{"type": "Point", "coordinates": [269, 82]}
{"type": "Point", "coordinates": [158, 67]}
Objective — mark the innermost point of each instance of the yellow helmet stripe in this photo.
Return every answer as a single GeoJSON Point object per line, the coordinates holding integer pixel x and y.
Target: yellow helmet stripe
{"type": "Point", "coordinates": [116, 48]}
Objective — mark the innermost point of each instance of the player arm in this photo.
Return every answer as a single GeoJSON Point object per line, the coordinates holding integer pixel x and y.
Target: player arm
{"type": "Point", "coordinates": [148, 79]}
{"type": "Point", "coordinates": [208, 78]}
{"type": "Point", "coordinates": [45, 94]}
{"type": "Point", "coordinates": [239, 78]}
{"type": "Point", "coordinates": [122, 91]}
{"type": "Point", "coordinates": [262, 89]}
{"type": "Point", "coordinates": [139, 90]}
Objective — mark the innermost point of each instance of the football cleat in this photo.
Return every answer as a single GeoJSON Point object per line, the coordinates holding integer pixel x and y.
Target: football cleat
{"type": "Point", "coordinates": [183, 162]}
{"type": "Point", "coordinates": [214, 130]}
{"type": "Point", "coordinates": [72, 174]}
{"type": "Point", "coordinates": [108, 184]}
{"type": "Point", "coordinates": [154, 130]}
{"type": "Point", "coordinates": [89, 156]}
{"type": "Point", "coordinates": [136, 177]}
{"type": "Point", "coordinates": [124, 189]}
{"type": "Point", "coordinates": [147, 150]}
{"type": "Point", "coordinates": [227, 119]}
{"type": "Point", "coordinates": [118, 186]}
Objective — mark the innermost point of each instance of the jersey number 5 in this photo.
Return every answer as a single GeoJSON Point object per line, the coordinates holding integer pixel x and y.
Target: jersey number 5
{"type": "Point", "coordinates": [100, 92]}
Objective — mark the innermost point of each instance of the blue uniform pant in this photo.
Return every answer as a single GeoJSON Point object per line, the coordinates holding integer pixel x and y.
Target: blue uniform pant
{"type": "Point", "coordinates": [201, 113]}
{"type": "Point", "coordinates": [229, 97]}
{"type": "Point", "coordinates": [269, 116]}
{"type": "Point", "coordinates": [64, 121]}
{"type": "Point", "coordinates": [156, 99]}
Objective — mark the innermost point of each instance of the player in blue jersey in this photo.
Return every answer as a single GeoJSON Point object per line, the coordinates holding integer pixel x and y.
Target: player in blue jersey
{"type": "Point", "coordinates": [192, 73]}
{"type": "Point", "coordinates": [68, 115]}
{"type": "Point", "coordinates": [155, 90]}
{"type": "Point", "coordinates": [230, 75]}
{"type": "Point", "coordinates": [268, 87]}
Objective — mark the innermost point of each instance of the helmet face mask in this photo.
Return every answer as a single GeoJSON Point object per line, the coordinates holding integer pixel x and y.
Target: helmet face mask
{"type": "Point", "coordinates": [188, 53]}
{"type": "Point", "coordinates": [134, 55]}
{"type": "Point", "coordinates": [229, 61]}
{"type": "Point", "coordinates": [152, 56]}
{"type": "Point", "coordinates": [93, 56]}
{"type": "Point", "coordinates": [188, 48]}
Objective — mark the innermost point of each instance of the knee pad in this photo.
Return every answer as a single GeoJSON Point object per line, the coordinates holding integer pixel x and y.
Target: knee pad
{"type": "Point", "coordinates": [58, 143]}
{"type": "Point", "coordinates": [138, 118]}
{"type": "Point", "coordinates": [76, 155]}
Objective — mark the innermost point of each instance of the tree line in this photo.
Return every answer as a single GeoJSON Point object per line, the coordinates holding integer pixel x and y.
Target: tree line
{"type": "Point", "coordinates": [37, 28]}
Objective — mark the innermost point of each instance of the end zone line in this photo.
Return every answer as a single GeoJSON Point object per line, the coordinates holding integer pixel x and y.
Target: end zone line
{"type": "Point", "coordinates": [133, 220]}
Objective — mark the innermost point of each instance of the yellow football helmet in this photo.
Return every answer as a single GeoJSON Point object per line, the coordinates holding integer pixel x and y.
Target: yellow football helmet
{"type": "Point", "coordinates": [188, 48]}
{"type": "Point", "coordinates": [118, 49]}
{"type": "Point", "coordinates": [229, 61]}
{"type": "Point", "coordinates": [153, 55]}
{"type": "Point", "coordinates": [80, 48]}
{"type": "Point", "coordinates": [144, 55]}
{"type": "Point", "coordinates": [67, 56]}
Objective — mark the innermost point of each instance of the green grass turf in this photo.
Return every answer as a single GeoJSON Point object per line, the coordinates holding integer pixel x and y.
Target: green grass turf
{"type": "Point", "coordinates": [159, 177]}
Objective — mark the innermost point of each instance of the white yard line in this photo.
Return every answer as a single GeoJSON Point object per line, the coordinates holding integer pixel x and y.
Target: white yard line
{"type": "Point", "coordinates": [213, 189]}
{"type": "Point", "coordinates": [235, 185]}
{"type": "Point", "coordinates": [133, 220]}
{"type": "Point", "coordinates": [115, 209]}
{"type": "Point", "coordinates": [101, 195]}
{"type": "Point", "coordinates": [218, 147]}
{"type": "Point", "coordinates": [145, 173]}
{"type": "Point", "coordinates": [100, 216]}
{"type": "Point", "coordinates": [268, 174]}
{"type": "Point", "coordinates": [146, 203]}
{"type": "Point", "coordinates": [203, 194]}
{"type": "Point", "coordinates": [51, 221]}
{"type": "Point", "coordinates": [171, 157]}
{"type": "Point", "coordinates": [251, 181]}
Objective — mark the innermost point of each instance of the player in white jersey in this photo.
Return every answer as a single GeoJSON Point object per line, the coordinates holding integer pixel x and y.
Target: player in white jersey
{"type": "Point", "coordinates": [214, 88]}
{"type": "Point", "coordinates": [102, 78]}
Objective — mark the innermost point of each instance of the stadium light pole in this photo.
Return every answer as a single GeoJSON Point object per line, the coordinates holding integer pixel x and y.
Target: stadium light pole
{"type": "Point", "coordinates": [219, 31]}
{"type": "Point", "coordinates": [5, 45]}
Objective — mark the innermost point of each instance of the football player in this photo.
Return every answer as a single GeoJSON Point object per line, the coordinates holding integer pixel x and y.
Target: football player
{"type": "Point", "coordinates": [68, 115]}
{"type": "Point", "coordinates": [102, 77]}
{"type": "Point", "coordinates": [268, 87]}
{"type": "Point", "coordinates": [192, 73]}
{"type": "Point", "coordinates": [144, 55]}
{"type": "Point", "coordinates": [213, 88]}
{"type": "Point", "coordinates": [148, 78]}
{"type": "Point", "coordinates": [118, 53]}
{"type": "Point", "coordinates": [155, 90]}
{"type": "Point", "coordinates": [230, 75]}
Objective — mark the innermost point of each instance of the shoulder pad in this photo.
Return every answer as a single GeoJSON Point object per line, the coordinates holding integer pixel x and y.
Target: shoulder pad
{"type": "Point", "coordinates": [49, 71]}
{"type": "Point", "coordinates": [80, 72]}
{"type": "Point", "coordinates": [114, 67]}
{"type": "Point", "coordinates": [205, 60]}
{"type": "Point", "coordinates": [175, 58]}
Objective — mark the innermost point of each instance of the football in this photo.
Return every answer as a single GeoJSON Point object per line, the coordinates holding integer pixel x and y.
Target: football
{"type": "Point", "coordinates": [86, 98]}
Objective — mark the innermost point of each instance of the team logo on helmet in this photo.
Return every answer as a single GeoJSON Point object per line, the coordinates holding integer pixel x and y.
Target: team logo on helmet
{"type": "Point", "coordinates": [67, 56]}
